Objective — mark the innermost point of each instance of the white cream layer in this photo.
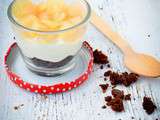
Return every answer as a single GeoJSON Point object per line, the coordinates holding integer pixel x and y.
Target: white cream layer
{"type": "Point", "coordinates": [53, 52]}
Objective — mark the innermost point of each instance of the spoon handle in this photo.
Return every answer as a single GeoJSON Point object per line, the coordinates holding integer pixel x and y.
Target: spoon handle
{"type": "Point", "coordinates": [99, 23]}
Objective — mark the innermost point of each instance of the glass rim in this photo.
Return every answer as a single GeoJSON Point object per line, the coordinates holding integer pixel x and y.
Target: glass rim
{"type": "Point", "coordinates": [86, 18]}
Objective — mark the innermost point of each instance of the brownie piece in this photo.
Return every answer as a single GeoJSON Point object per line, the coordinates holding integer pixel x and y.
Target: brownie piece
{"type": "Point", "coordinates": [104, 87]}
{"type": "Point", "coordinates": [127, 97]}
{"type": "Point", "coordinates": [99, 57]}
{"type": "Point", "coordinates": [118, 93]}
{"type": "Point", "coordinates": [107, 73]}
{"type": "Point", "coordinates": [108, 98]}
{"type": "Point", "coordinates": [116, 104]}
{"type": "Point", "coordinates": [124, 78]}
{"type": "Point", "coordinates": [148, 105]}
{"type": "Point", "coordinates": [129, 78]}
{"type": "Point", "coordinates": [104, 107]}
{"type": "Point", "coordinates": [16, 108]}
{"type": "Point", "coordinates": [101, 67]}
{"type": "Point", "coordinates": [108, 65]}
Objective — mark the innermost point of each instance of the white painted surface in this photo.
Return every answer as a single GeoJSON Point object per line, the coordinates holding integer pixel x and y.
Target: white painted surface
{"type": "Point", "coordinates": [135, 20]}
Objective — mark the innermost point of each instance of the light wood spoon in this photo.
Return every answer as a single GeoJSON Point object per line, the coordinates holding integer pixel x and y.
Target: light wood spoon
{"type": "Point", "coordinates": [139, 63]}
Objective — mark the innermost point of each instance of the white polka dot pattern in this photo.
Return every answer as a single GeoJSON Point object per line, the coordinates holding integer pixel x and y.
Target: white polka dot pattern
{"type": "Point", "coordinates": [20, 85]}
{"type": "Point", "coordinates": [58, 89]}
{"type": "Point", "coordinates": [32, 86]}
{"type": "Point", "coordinates": [44, 91]}
{"type": "Point", "coordinates": [62, 87]}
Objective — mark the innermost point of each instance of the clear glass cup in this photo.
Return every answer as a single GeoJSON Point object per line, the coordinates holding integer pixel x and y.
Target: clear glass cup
{"type": "Point", "coordinates": [50, 53]}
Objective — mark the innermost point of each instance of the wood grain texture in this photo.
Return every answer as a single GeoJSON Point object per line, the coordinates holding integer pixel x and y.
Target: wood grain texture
{"type": "Point", "coordinates": [134, 20]}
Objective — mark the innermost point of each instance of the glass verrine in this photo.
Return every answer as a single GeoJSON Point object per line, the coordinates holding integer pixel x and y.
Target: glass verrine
{"type": "Point", "coordinates": [50, 52]}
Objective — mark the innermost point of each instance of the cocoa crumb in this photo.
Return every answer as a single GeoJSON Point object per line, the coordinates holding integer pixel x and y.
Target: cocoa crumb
{"type": "Point", "coordinates": [116, 104]}
{"type": "Point", "coordinates": [101, 67]}
{"type": "Point", "coordinates": [118, 93]}
{"type": "Point", "coordinates": [127, 97]}
{"type": "Point", "coordinates": [124, 78]}
{"type": "Point", "coordinates": [116, 100]}
{"type": "Point", "coordinates": [132, 117]}
{"type": "Point", "coordinates": [104, 87]}
{"type": "Point", "coordinates": [107, 73]}
{"type": "Point", "coordinates": [108, 65]}
{"type": "Point", "coordinates": [104, 107]}
{"type": "Point", "coordinates": [105, 79]}
{"type": "Point", "coordinates": [108, 98]}
{"type": "Point", "coordinates": [99, 57]}
{"type": "Point", "coordinates": [16, 107]}
{"type": "Point", "coordinates": [148, 105]}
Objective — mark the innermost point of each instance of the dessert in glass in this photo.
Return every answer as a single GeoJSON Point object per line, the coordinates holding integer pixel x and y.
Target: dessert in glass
{"type": "Point", "coordinates": [49, 33]}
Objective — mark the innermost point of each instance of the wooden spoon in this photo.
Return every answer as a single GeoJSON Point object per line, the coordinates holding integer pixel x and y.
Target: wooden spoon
{"type": "Point", "coordinates": [139, 63]}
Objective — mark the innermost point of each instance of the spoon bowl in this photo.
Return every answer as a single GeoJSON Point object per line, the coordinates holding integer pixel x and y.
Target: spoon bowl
{"type": "Point", "coordinates": [143, 64]}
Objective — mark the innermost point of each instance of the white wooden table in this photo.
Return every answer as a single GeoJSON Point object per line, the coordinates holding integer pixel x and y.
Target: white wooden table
{"type": "Point", "coordinates": [134, 20]}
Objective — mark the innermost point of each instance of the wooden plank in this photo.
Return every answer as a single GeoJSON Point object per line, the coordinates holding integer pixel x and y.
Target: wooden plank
{"type": "Point", "coordinates": [134, 20]}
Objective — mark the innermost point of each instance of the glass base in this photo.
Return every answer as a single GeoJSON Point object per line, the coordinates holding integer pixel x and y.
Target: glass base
{"type": "Point", "coordinates": [49, 69]}
{"type": "Point", "coordinates": [49, 72]}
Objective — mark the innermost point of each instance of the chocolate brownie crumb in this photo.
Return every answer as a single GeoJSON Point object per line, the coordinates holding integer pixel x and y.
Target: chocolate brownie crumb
{"type": "Point", "coordinates": [104, 87]}
{"type": "Point", "coordinates": [99, 57]}
{"type": "Point", "coordinates": [107, 73]}
{"type": "Point", "coordinates": [16, 107]}
{"type": "Point", "coordinates": [101, 67]}
{"type": "Point", "coordinates": [116, 100]}
{"type": "Point", "coordinates": [128, 79]}
{"type": "Point", "coordinates": [124, 78]}
{"type": "Point", "coordinates": [104, 107]}
{"type": "Point", "coordinates": [132, 117]}
{"type": "Point", "coordinates": [127, 97]}
{"type": "Point", "coordinates": [108, 98]}
{"type": "Point", "coordinates": [118, 93]}
{"type": "Point", "coordinates": [108, 65]}
{"type": "Point", "coordinates": [148, 105]}
{"type": "Point", "coordinates": [116, 104]}
{"type": "Point", "coordinates": [105, 79]}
